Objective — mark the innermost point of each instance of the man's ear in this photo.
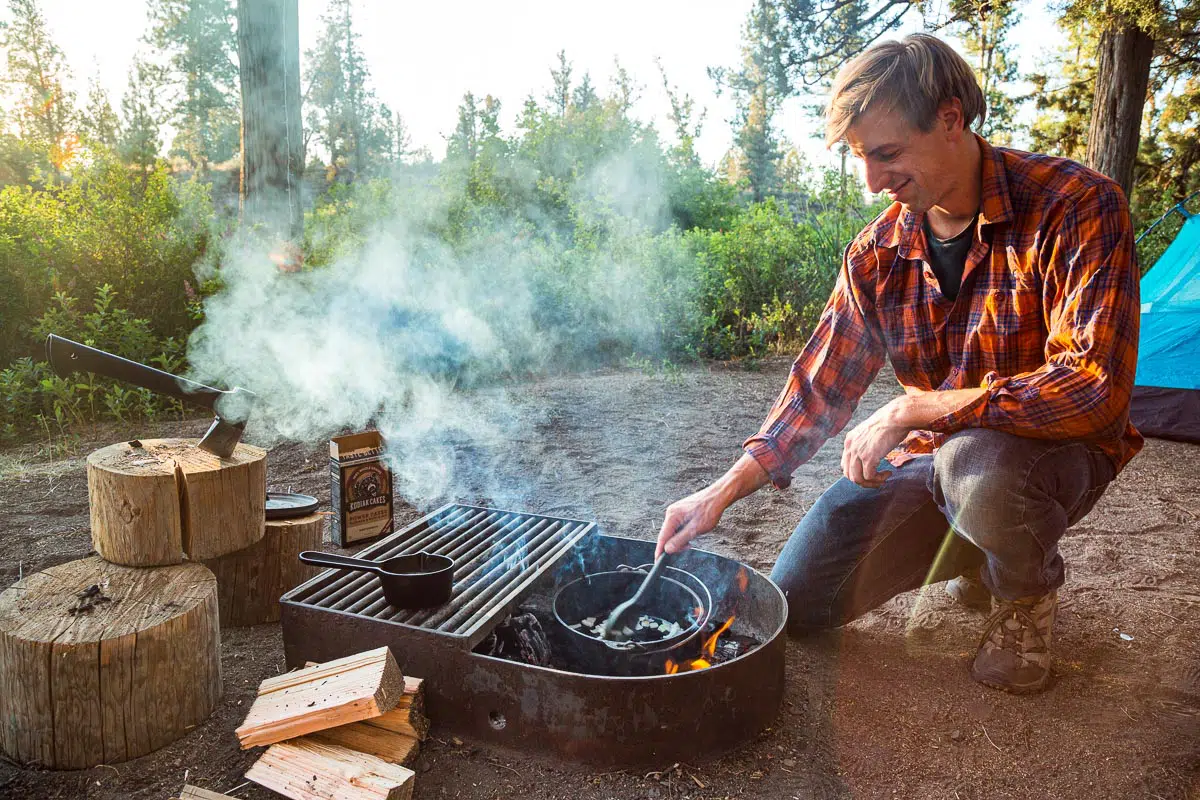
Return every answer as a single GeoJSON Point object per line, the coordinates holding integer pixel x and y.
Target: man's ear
{"type": "Point", "coordinates": [950, 117]}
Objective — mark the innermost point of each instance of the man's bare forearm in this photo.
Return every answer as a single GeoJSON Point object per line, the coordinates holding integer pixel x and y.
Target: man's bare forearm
{"type": "Point", "coordinates": [744, 478]}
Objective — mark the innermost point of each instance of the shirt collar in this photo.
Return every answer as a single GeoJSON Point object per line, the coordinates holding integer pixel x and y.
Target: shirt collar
{"type": "Point", "coordinates": [902, 230]}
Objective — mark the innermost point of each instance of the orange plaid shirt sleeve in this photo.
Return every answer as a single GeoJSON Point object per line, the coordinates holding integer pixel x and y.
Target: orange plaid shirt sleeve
{"type": "Point", "coordinates": [1046, 320]}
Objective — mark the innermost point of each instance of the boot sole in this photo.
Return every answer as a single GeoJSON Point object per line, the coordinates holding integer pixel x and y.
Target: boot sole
{"type": "Point", "coordinates": [1033, 688]}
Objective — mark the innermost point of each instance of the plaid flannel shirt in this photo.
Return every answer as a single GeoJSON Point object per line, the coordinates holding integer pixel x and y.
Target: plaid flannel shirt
{"type": "Point", "coordinates": [1046, 320]}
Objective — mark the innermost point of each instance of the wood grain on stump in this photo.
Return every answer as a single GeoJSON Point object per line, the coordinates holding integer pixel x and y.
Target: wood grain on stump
{"type": "Point", "coordinates": [251, 581]}
{"type": "Point", "coordinates": [155, 501]}
{"type": "Point", "coordinates": [102, 663]}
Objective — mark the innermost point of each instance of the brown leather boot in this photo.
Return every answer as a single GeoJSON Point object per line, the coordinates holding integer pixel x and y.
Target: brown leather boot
{"type": "Point", "coordinates": [1014, 651]}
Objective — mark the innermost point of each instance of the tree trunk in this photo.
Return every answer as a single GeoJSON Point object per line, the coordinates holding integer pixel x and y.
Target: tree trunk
{"type": "Point", "coordinates": [272, 138]}
{"type": "Point", "coordinates": [1122, 77]}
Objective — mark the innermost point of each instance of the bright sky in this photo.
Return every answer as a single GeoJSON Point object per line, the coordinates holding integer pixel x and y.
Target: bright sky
{"type": "Point", "coordinates": [424, 56]}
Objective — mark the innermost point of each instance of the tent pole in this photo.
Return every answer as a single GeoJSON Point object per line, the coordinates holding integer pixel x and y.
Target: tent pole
{"type": "Point", "coordinates": [1180, 207]}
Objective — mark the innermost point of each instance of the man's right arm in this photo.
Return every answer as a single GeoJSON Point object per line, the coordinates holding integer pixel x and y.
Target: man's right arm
{"type": "Point", "coordinates": [827, 380]}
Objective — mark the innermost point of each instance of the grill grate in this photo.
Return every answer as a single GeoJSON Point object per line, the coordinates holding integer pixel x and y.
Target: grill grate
{"type": "Point", "coordinates": [497, 555]}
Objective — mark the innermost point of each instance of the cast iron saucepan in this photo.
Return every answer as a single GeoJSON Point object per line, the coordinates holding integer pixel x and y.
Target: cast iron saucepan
{"type": "Point", "coordinates": [418, 580]}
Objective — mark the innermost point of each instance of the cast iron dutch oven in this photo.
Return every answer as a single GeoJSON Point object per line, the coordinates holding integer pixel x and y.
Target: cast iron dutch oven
{"type": "Point", "coordinates": [418, 580]}
{"type": "Point", "coordinates": [677, 596]}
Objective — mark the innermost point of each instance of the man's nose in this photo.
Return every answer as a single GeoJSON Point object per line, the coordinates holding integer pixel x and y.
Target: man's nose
{"type": "Point", "coordinates": [874, 175]}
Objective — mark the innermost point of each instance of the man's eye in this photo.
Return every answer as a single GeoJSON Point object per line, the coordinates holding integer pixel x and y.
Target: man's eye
{"type": "Point", "coordinates": [888, 156]}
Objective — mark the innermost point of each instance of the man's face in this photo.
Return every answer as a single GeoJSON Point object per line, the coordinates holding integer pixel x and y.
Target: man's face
{"type": "Point", "coordinates": [910, 165]}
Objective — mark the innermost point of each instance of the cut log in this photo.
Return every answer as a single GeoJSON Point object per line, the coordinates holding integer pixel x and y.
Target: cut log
{"type": "Point", "coordinates": [335, 693]}
{"type": "Point", "coordinates": [196, 793]}
{"type": "Point", "coordinates": [408, 717]}
{"type": "Point", "coordinates": [396, 748]}
{"type": "Point", "coordinates": [307, 770]}
{"type": "Point", "coordinates": [251, 581]}
{"type": "Point", "coordinates": [155, 501]}
{"type": "Point", "coordinates": [102, 663]}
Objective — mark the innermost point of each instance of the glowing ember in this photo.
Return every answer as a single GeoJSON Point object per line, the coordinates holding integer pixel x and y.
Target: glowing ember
{"type": "Point", "coordinates": [743, 580]}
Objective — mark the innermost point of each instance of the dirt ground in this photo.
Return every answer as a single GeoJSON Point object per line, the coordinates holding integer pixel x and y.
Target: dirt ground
{"type": "Point", "coordinates": [883, 708]}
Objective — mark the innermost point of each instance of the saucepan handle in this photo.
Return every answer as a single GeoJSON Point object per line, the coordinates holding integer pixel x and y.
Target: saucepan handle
{"type": "Point", "coordinates": [320, 559]}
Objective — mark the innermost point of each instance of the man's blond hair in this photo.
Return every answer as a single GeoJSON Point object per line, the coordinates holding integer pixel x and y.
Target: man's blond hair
{"type": "Point", "coordinates": [914, 75]}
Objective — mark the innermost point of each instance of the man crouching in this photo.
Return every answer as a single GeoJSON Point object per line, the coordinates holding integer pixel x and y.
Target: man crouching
{"type": "Point", "coordinates": [1003, 287]}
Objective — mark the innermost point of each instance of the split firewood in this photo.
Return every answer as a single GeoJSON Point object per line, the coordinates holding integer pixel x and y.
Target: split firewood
{"type": "Point", "coordinates": [396, 748]}
{"type": "Point", "coordinates": [196, 793]}
{"type": "Point", "coordinates": [408, 717]}
{"type": "Point", "coordinates": [304, 769]}
{"type": "Point", "coordinates": [351, 689]}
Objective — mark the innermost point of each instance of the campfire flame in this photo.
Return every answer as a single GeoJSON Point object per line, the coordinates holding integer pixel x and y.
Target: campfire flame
{"type": "Point", "coordinates": [709, 649]}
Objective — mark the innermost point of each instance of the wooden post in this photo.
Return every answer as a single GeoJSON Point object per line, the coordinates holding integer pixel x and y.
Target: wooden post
{"type": "Point", "coordinates": [155, 501]}
{"type": "Point", "coordinates": [102, 663]}
{"type": "Point", "coordinates": [251, 581]}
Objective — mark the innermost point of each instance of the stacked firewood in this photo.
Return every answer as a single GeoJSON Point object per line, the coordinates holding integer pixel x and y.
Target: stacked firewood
{"type": "Point", "coordinates": [345, 729]}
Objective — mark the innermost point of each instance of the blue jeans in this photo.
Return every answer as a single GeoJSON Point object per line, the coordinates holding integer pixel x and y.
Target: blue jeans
{"type": "Point", "coordinates": [986, 501]}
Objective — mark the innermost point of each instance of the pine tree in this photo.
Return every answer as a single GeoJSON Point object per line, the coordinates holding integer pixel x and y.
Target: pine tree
{"type": "Point", "coordinates": [36, 75]}
{"type": "Point", "coordinates": [202, 76]}
{"type": "Point", "coordinates": [560, 95]}
{"type": "Point", "coordinates": [987, 24]}
{"type": "Point", "coordinates": [142, 109]}
{"type": "Point", "coordinates": [684, 119]}
{"type": "Point", "coordinates": [464, 142]}
{"type": "Point", "coordinates": [343, 113]}
{"type": "Point", "coordinates": [98, 123]}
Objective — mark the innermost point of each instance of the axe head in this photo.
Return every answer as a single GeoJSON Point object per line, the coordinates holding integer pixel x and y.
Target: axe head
{"type": "Point", "coordinates": [226, 430]}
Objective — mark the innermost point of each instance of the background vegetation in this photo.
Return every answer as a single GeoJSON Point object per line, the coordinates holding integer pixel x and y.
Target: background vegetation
{"type": "Point", "coordinates": [112, 236]}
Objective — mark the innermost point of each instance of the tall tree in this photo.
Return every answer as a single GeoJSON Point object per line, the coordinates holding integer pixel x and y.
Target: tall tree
{"type": "Point", "coordinates": [986, 27]}
{"type": "Point", "coordinates": [1122, 76]}
{"type": "Point", "coordinates": [139, 144]}
{"type": "Point", "coordinates": [98, 123]}
{"type": "Point", "coordinates": [463, 144]}
{"type": "Point", "coordinates": [1063, 94]}
{"type": "Point", "coordinates": [560, 94]}
{"type": "Point", "coordinates": [818, 36]}
{"type": "Point", "coordinates": [684, 119]}
{"type": "Point", "coordinates": [272, 155]}
{"type": "Point", "coordinates": [342, 112]}
{"type": "Point", "coordinates": [759, 86]}
{"type": "Point", "coordinates": [36, 75]}
{"type": "Point", "coordinates": [198, 38]}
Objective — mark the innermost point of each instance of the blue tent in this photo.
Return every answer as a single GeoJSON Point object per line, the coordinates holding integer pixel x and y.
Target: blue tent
{"type": "Point", "coordinates": [1166, 398]}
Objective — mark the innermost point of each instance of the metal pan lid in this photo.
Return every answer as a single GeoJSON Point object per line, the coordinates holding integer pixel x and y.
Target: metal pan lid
{"type": "Point", "coordinates": [285, 505]}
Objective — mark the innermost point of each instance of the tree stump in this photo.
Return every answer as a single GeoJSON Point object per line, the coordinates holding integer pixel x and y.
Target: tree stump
{"type": "Point", "coordinates": [155, 501]}
{"type": "Point", "coordinates": [251, 581]}
{"type": "Point", "coordinates": [102, 663]}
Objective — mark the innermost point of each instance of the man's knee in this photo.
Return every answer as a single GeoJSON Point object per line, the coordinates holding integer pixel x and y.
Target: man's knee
{"type": "Point", "coordinates": [980, 481]}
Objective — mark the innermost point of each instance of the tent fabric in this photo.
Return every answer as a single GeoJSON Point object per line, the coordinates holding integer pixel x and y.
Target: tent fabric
{"type": "Point", "coordinates": [1167, 400]}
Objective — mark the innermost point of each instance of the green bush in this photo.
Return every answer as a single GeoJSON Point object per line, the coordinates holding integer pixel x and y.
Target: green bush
{"type": "Point", "coordinates": [34, 400]}
{"type": "Point", "coordinates": [764, 281]}
{"type": "Point", "coordinates": [139, 234]}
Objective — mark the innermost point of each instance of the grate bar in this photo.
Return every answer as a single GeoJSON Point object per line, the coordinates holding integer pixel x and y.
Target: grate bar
{"type": "Point", "coordinates": [498, 555]}
{"type": "Point", "coordinates": [368, 590]}
{"type": "Point", "coordinates": [320, 594]}
{"type": "Point", "coordinates": [497, 593]}
{"type": "Point", "coordinates": [374, 603]}
{"type": "Point", "coordinates": [480, 567]}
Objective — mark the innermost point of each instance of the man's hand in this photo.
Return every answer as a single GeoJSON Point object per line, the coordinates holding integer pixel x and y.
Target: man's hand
{"type": "Point", "coordinates": [688, 518]}
{"type": "Point", "coordinates": [870, 441]}
{"type": "Point", "coordinates": [700, 512]}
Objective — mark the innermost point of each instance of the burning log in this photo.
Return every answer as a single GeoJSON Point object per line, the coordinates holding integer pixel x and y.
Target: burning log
{"type": "Point", "coordinates": [102, 663]}
{"type": "Point", "coordinates": [155, 501]}
{"type": "Point", "coordinates": [350, 689]}
{"type": "Point", "coordinates": [304, 769]}
{"type": "Point", "coordinates": [251, 581]}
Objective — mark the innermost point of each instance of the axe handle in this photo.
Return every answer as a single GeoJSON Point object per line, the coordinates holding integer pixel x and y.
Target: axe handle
{"type": "Point", "coordinates": [66, 356]}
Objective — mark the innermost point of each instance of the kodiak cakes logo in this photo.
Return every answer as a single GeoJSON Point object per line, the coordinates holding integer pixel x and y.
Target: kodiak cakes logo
{"type": "Point", "coordinates": [366, 487]}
